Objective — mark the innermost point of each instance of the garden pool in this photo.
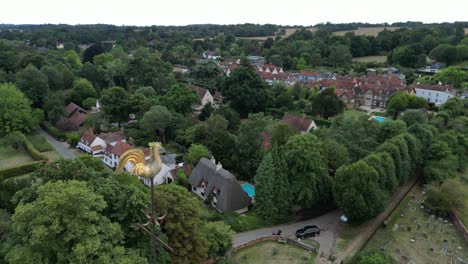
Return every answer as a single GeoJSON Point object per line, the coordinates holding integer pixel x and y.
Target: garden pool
{"type": "Point", "coordinates": [379, 119]}
{"type": "Point", "coordinates": [249, 189]}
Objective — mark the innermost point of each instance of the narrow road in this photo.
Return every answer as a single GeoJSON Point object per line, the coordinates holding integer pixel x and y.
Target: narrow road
{"type": "Point", "coordinates": [62, 148]}
{"type": "Point", "coordinates": [328, 223]}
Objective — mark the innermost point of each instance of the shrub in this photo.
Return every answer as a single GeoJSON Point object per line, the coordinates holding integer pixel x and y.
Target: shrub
{"type": "Point", "coordinates": [40, 143]}
{"type": "Point", "coordinates": [19, 170]}
{"type": "Point", "coordinates": [72, 138]}
{"type": "Point", "coordinates": [54, 131]}
{"type": "Point", "coordinates": [28, 146]}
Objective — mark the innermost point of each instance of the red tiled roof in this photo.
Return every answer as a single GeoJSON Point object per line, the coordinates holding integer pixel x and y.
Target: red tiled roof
{"type": "Point", "coordinates": [97, 147]}
{"type": "Point", "coordinates": [72, 107]}
{"type": "Point", "coordinates": [301, 123]}
{"type": "Point", "coordinates": [112, 137]}
{"type": "Point", "coordinates": [119, 148]}
{"type": "Point", "coordinates": [88, 138]}
{"type": "Point", "coordinates": [77, 119]}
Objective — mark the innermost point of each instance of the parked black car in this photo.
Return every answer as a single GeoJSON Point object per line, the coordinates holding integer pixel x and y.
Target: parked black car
{"type": "Point", "coordinates": [308, 231]}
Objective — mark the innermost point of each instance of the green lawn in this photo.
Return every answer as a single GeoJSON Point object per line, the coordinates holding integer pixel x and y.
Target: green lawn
{"type": "Point", "coordinates": [378, 59]}
{"type": "Point", "coordinates": [272, 252]}
{"type": "Point", "coordinates": [40, 143]}
{"type": "Point", "coordinates": [463, 213]}
{"type": "Point", "coordinates": [238, 222]}
{"type": "Point", "coordinates": [354, 113]}
{"type": "Point", "coordinates": [419, 236]}
{"type": "Point", "coordinates": [12, 157]}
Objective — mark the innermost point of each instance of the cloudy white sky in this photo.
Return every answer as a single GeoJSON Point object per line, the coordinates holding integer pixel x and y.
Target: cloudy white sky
{"type": "Point", "coordinates": [183, 12]}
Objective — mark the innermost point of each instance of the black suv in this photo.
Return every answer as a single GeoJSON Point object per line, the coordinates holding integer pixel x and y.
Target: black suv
{"type": "Point", "coordinates": [308, 231]}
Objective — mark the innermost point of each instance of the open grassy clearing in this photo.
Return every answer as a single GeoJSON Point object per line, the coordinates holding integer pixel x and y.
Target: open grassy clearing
{"type": "Point", "coordinates": [271, 252]}
{"type": "Point", "coordinates": [463, 213]}
{"type": "Point", "coordinates": [414, 234]}
{"type": "Point", "coordinates": [378, 59]}
{"type": "Point", "coordinates": [40, 143]}
{"type": "Point", "coordinates": [10, 157]}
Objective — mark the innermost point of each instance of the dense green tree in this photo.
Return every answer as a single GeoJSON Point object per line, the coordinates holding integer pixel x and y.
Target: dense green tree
{"type": "Point", "coordinates": [207, 75]}
{"type": "Point", "coordinates": [245, 90]}
{"type": "Point", "coordinates": [65, 224]}
{"type": "Point", "coordinates": [339, 56]}
{"type": "Point", "coordinates": [33, 83]}
{"type": "Point", "coordinates": [183, 224]}
{"type": "Point", "coordinates": [407, 56]}
{"type": "Point", "coordinates": [390, 128]}
{"type": "Point", "coordinates": [219, 236]}
{"type": "Point", "coordinates": [374, 257]}
{"type": "Point", "coordinates": [327, 104]}
{"type": "Point", "coordinates": [147, 91]}
{"type": "Point", "coordinates": [196, 152]}
{"type": "Point", "coordinates": [249, 147]}
{"type": "Point", "coordinates": [445, 197]}
{"type": "Point", "coordinates": [334, 154]}
{"type": "Point", "coordinates": [394, 152]}
{"type": "Point", "coordinates": [180, 99]}
{"type": "Point", "coordinates": [114, 103]}
{"type": "Point", "coordinates": [54, 78]}
{"type": "Point", "coordinates": [412, 116]}
{"type": "Point", "coordinates": [16, 110]}
{"type": "Point", "coordinates": [357, 192]}
{"type": "Point", "coordinates": [281, 133]}
{"type": "Point", "coordinates": [382, 162]}
{"type": "Point", "coordinates": [157, 121]}
{"type": "Point", "coordinates": [398, 103]}
{"type": "Point", "coordinates": [272, 193]}
{"type": "Point", "coordinates": [307, 171]}
{"type": "Point", "coordinates": [454, 76]}
{"type": "Point", "coordinates": [206, 112]}
{"type": "Point", "coordinates": [444, 53]}
{"type": "Point", "coordinates": [230, 115]}
{"type": "Point", "coordinates": [81, 90]}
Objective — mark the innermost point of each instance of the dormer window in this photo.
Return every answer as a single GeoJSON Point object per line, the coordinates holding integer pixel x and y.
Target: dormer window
{"type": "Point", "coordinates": [216, 192]}
{"type": "Point", "coordinates": [204, 184]}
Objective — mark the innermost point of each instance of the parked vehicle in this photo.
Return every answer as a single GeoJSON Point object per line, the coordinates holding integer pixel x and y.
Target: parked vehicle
{"type": "Point", "coordinates": [308, 231]}
{"type": "Point", "coordinates": [344, 219]}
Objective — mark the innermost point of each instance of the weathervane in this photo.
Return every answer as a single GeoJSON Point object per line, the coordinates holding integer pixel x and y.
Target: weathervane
{"type": "Point", "coordinates": [140, 168]}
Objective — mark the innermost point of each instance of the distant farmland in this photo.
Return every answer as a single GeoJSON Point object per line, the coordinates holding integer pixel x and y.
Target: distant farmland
{"type": "Point", "coordinates": [289, 32]}
{"type": "Point", "coordinates": [373, 31]}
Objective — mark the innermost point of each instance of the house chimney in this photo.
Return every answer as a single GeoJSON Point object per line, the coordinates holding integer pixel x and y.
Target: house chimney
{"type": "Point", "coordinates": [219, 166]}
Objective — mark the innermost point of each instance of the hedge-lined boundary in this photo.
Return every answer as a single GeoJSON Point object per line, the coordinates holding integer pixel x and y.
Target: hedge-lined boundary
{"type": "Point", "coordinates": [51, 129]}
{"type": "Point", "coordinates": [29, 147]}
{"type": "Point", "coordinates": [19, 170]}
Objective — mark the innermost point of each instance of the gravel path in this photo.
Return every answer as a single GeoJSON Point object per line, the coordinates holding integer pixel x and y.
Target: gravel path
{"type": "Point", "coordinates": [62, 148]}
{"type": "Point", "coordinates": [328, 223]}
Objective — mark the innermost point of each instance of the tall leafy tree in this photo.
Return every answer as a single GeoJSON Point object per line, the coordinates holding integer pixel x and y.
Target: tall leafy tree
{"type": "Point", "coordinates": [33, 83]}
{"type": "Point", "coordinates": [81, 90]}
{"type": "Point", "coordinates": [114, 103]}
{"type": "Point", "coordinates": [357, 192]}
{"type": "Point", "coordinates": [157, 121]}
{"type": "Point", "coordinates": [16, 110]}
{"type": "Point", "coordinates": [307, 171]}
{"type": "Point", "coordinates": [272, 193]}
{"type": "Point", "coordinates": [327, 104]}
{"type": "Point", "coordinates": [219, 236]}
{"type": "Point", "coordinates": [245, 90]}
{"type": "Point", "coordinates": [65, 224]}
{"type": "Point", "coordinates": [180, 99]}
{"type": "Point", "coordinates": [196, 152]}
{"type": "Point", "coordinates": [183, 223]}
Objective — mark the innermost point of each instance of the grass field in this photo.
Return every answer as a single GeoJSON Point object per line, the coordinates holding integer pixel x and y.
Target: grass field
{"type": "Point", "coordinates": [40, 143]}
{"type": "Point", "coordinates": [378, 59]}
{"type": "Point", "coordinates": [10, 157]}
{"type": "Point", "coordinates": [354, 113]}
{"type": "Point", "coordinates": [463, 213]}
{"type": "Point", "coordinates": [271, 252]}
{"type": "Point", "coordinates": [372, 31]}
{"type": "Point", "coordinates": [414, 234]}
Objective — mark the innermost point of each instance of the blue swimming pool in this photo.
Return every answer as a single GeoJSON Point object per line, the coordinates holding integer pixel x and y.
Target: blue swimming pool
{"type": "Point", "coordinates": [379, 119]}
{"type": "Point", "coordinates": [249, 189]}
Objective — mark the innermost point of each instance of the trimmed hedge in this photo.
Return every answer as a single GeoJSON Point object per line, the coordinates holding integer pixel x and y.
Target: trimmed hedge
{"type": "Point", "coordinates": [29, 147]}
{"type": "Point", "coordinates": [54, 131]}
{"type": "Point", "coordinates": [19, 170]}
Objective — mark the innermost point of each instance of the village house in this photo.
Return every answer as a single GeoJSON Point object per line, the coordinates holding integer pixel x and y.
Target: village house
{"type": "Point", "coordinates": [300, 123]}
{"type": "Point", "coordinates": [437, 94]}
{"type": "Point", "coordinates": [75, 115]}
{"type": "Point", "coordinates": [112, 153]}
{"type": "Point", "coordinates": [96, 144]}
{"type": "Point", "coordinates": [205, 97]}
{"type": "Point", "coordinates": [310, 76]}
{"type": "Point", "coordinates": [211, 181]}
{"type": "Point", "coordinates": [210, 55]}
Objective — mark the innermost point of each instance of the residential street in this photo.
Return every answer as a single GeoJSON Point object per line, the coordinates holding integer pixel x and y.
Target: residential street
{"type": "Point", "coordinates": [328, 223]}
{"type": "Point", "coordinates": [61, 147]}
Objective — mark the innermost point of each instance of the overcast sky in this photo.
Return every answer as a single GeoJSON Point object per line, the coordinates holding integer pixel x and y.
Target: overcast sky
{"type": "Point", "coordinates": [183, 12]}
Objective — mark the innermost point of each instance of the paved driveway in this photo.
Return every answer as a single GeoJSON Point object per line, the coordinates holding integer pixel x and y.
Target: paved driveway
{"type": "Point", "coordinates": [328, 223]}
{"type": "Point", "coordinates": [62, 148]}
